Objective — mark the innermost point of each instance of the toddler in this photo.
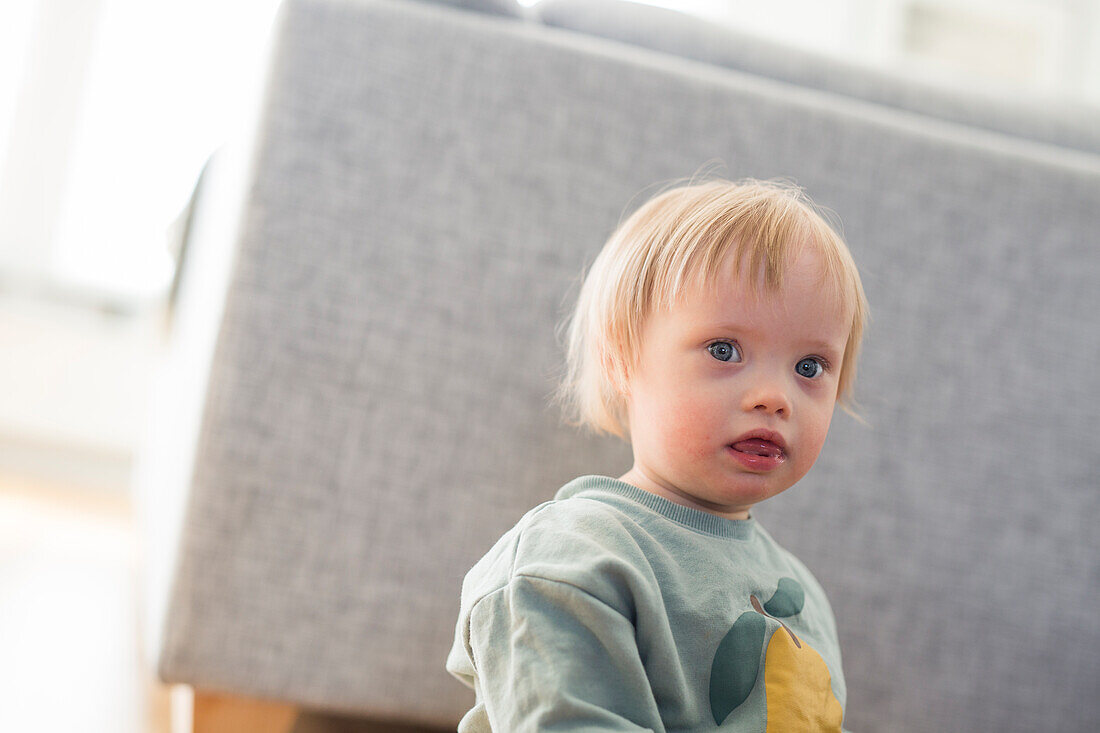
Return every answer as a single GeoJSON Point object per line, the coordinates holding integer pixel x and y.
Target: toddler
{"type": "Point", "coordinates": [715, 331]}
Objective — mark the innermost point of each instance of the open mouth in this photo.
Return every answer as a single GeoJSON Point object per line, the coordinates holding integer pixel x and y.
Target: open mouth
{"type": "Point", "coordinates": [758, 447]}
{"type": "Point", "coordinates": [759, 451]}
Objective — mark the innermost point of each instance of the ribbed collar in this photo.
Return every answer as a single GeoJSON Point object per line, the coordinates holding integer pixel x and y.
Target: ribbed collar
{"type": "Point", "coordinates": [740, 529]}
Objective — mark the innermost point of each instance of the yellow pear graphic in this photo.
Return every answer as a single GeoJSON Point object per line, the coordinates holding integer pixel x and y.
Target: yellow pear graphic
{"type": "Point", "coordinates": [798, 689]}
{"type": "Point", "coordinates": [797, 685]}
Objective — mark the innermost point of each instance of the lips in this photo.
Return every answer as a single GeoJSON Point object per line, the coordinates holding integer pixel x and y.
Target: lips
{"type": "Point", "coordinates": [760, 450]}
{"type": "Point", "coordinates": [761, 442]}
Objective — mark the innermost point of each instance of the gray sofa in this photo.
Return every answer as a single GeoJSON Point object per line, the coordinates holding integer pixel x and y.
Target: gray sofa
{"type": "Point", "coordinates": [355, 404]}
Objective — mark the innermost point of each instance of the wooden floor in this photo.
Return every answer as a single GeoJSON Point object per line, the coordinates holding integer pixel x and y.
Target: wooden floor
{"type": "Point", "coordinates": [321, 723]}
{"type": "Point", "coordinates": [70, 620]}
{"type": "Point", "coordinates": [69, 613]}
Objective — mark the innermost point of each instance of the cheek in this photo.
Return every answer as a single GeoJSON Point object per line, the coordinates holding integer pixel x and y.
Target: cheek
{"type": "Point", "coordinates": [814, 432]}
{"type": "Point", "coordinates": [691, 426]}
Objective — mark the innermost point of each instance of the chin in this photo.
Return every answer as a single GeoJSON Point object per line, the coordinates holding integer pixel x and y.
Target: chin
{"type": "Point", "coordinates": [754, 491]}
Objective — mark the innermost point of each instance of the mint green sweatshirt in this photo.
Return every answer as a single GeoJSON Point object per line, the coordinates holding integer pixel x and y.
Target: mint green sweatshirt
{"type": "Point", "coordinates": [613, 609]}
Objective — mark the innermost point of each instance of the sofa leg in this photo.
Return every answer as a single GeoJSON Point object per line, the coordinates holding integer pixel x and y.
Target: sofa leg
{"type": "Point", "coordinates": [219, 713]}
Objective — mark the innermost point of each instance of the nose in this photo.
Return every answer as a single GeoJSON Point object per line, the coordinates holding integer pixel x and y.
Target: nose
{"type": "Point", "coordinates": [768, 397]}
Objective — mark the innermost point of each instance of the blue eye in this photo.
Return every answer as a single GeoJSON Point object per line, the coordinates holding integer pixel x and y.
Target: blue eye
{"type": "Point", "coordinates": [810, 367]}
{"type": "Point", "coordinates": [725, 351]}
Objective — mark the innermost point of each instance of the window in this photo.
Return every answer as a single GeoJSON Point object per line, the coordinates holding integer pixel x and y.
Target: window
{"type": "Point", "coordinates": [108, 110]}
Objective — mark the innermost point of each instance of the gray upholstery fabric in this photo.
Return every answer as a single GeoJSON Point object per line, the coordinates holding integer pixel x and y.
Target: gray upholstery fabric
{"type": "Point", "coordinates": [1053, 120]}
{"type": "Point", "coordinates": [428, 184]}
{"type": "Point", "coordinates": [499, 7]}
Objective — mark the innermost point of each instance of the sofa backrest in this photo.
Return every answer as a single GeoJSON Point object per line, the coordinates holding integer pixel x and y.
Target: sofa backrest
{"type": "Point", "coordinates": [511, 8]}
{"type": "Point", "coordinates": [1047, 119]}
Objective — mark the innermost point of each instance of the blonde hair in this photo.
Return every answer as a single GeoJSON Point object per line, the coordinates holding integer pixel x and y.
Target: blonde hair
{"type": "Point", "coordinates": [676, 236]}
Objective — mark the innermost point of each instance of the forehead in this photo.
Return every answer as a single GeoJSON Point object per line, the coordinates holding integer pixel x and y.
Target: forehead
{"type": "Point", "coordinates": [805, 302]}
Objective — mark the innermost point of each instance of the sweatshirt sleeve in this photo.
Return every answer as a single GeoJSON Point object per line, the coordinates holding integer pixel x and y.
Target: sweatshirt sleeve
{"type": "Point", "coordinates": [548, 654]}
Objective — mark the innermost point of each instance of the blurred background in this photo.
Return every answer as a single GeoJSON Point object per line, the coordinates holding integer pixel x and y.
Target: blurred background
{"type": "Point", "coordinates": [109, 110]}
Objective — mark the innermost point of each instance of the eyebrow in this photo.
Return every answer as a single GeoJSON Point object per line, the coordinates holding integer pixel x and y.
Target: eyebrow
{"type": "Point", "coordinates": [820, 345]}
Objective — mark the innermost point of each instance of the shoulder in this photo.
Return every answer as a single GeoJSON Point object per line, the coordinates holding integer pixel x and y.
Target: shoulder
{"type": "Point", "coordinates": [576, 531]}
{"type": "Point", "coordinates": [576, 541]}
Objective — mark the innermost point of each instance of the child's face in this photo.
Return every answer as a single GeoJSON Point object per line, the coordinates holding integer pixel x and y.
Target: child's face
{"type": "Point", "coordinates": [733, 394]}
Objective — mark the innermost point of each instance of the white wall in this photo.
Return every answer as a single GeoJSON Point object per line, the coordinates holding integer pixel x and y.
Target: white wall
{"type": "Point", "coordinates": [76, 388]}
{"type": "Point", "coordinates": [1048, 47]}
